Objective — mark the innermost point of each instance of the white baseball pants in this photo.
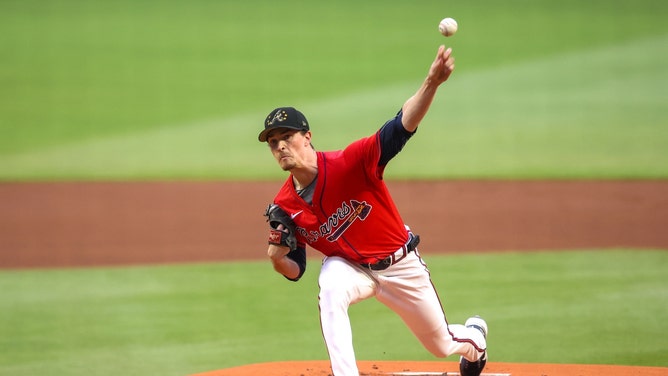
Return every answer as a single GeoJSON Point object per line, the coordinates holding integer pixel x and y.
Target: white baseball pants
{"type": "Point", "coordinates": [406, 288]}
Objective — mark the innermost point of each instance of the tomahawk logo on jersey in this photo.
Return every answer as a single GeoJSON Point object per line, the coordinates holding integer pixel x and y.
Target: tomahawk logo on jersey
{"type": "Point", "coordinates": [360, 210]}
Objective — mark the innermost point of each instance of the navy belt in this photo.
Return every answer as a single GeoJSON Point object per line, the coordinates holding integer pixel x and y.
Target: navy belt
{"type": "Point", "coordinates": [397, 256]}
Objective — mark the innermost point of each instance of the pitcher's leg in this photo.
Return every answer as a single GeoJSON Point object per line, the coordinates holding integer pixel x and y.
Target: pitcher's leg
{"type": "Point", "coordinates": [406, 288]}
{"type": "Point", "coordinates": [341, 284]}
{"type": "Point", "coordinates": [456, 339]}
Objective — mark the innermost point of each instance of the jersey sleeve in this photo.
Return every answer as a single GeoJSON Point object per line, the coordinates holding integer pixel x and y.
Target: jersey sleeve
{"type": "Point", "coordinates": [378, 149]}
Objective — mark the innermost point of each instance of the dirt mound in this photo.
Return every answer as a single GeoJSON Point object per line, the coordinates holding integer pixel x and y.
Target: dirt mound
{"type": "Point", "coordinates": [409, 368]}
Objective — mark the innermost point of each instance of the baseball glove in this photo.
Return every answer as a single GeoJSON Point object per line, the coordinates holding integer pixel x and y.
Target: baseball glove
{"type": "Point", "coordinates": [286, 236]}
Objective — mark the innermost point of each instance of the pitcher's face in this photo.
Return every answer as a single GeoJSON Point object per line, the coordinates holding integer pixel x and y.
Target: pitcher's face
{"type": "Point", "coordinates": [289, 147]}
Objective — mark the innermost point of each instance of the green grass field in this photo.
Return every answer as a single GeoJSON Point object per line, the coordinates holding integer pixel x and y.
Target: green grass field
{"type": "Point", "coordinates": [135, 90]}
{"type": "Point", "coordinates": [587, 307]}
{"type": "Point", "coordinates": [165, 89]}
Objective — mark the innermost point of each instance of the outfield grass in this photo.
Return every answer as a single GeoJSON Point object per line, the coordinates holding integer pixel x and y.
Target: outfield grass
{"type": "Point", "coordinates": [166, 89]}
{"type": "Point", "coordinates": [591, 307]}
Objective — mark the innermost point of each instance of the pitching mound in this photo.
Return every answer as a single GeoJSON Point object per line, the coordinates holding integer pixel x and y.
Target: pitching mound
{"type": "Point", "coordinates": [409, 368]}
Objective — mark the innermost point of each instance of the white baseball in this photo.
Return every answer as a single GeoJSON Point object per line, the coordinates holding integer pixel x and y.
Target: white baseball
{"type": "Point", "coordinates": [448, 27]}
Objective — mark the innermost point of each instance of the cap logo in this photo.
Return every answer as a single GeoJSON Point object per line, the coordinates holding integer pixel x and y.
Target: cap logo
{"type": "Point", "coordinates": [280, 116]}
{"type": "Point", "coordinates": [283, 117]}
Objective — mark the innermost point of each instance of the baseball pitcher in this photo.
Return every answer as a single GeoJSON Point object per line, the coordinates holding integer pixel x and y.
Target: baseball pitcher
{"type": "Point", "coordinates": [337, 203]}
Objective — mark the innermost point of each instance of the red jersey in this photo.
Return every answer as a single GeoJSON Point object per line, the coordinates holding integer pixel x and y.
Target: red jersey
{"type": "Point", "coordinates": [352, 215]}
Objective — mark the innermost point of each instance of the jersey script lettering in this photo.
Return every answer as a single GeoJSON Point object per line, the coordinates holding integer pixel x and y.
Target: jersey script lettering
{"type": "Point", "coordinates": [338, 222]}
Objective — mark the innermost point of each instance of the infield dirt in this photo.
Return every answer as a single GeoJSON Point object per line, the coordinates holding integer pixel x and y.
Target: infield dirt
{"type": "Point", "coordinates": [102, 223]}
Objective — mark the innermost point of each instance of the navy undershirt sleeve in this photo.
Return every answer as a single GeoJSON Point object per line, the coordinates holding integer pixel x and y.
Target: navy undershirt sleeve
{"type": "Point", "coordinates": [298, 256]}
{"type": "Point", "coordinates": [393, 137]}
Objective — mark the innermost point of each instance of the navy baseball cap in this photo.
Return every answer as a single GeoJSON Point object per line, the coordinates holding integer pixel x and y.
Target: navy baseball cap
{"type": "Point", "coordinates": [283, 117]}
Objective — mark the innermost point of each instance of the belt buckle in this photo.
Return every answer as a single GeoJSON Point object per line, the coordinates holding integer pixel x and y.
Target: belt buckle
{"type": "Point", "coordinates": [411, 244]}
{"type": "Point", "coordinates": [382, 264]}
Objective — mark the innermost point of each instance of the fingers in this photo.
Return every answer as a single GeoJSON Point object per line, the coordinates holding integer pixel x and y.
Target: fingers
{"type": "Point", "coordinates": [441, 50]}
{"type": "Point", "coordinates": [443, 65]}
{"type": "Point", "coordinates": [280, 227]}
{"type": "Point", "coordinates": [448, 63]}
{"type": "Point", "coordinates": [443, 54]}
{"type": "Point", "coordinates": [446, 57]}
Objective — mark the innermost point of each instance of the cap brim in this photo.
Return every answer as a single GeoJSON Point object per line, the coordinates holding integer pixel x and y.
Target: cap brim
{"type": "Point", "coordinates": [262, 137]}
